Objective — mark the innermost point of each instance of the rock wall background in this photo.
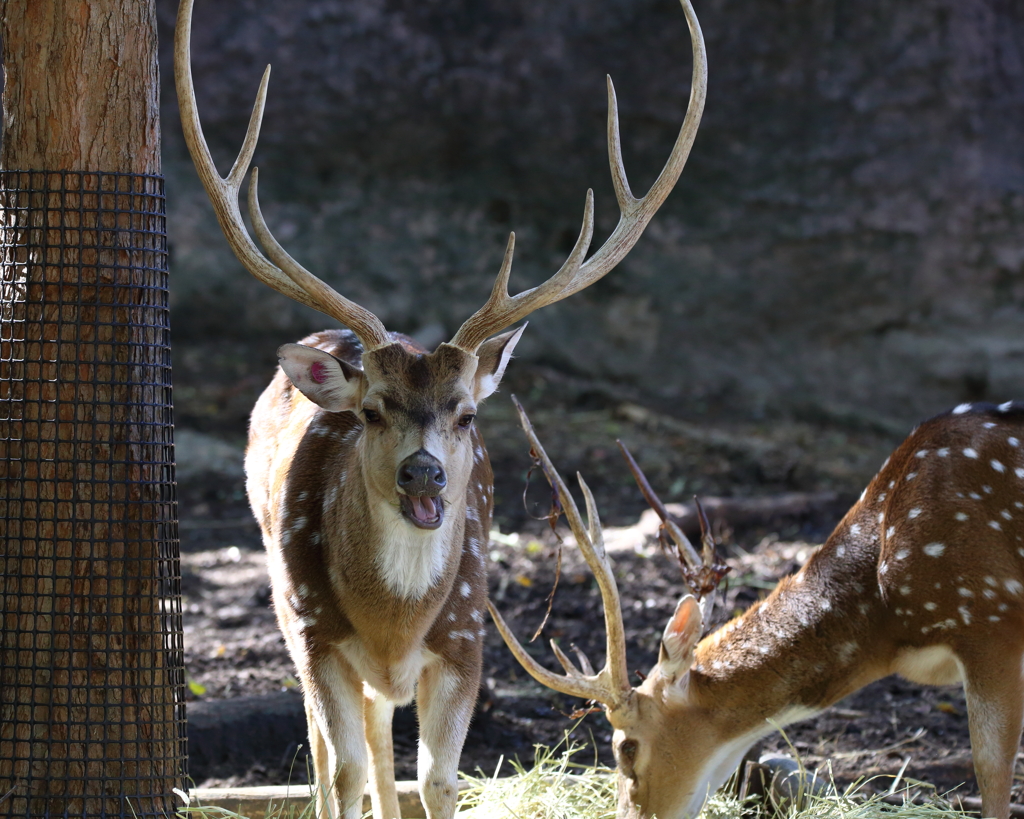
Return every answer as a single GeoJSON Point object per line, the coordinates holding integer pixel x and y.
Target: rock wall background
{"type": "Point", "coordinates": [846, 242]}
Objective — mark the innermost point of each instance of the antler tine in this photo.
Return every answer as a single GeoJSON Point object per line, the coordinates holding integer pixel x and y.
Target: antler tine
{"type": "Point", "coordinates": [707, 538]}
{"type": "Point", "coordinates": [592, 545]}
{"type": "Point", "coordinates": [582, 687]}
{"type": "Point", "coordinates": [564, 661]}
{"type": "Point", "coordinates": [686, 551]}
{"type": "Point", "coordinates": [634, 214]}
{"type": "Point", "coordinates": [568, 664]}
{"type": "Point", "coordinates": [362, 322]}
{"type": "Point", "coordinates": [584, 661]}
{"type": "Point", "coordinates": [283, 274]}
{"type": "Point", "coordinates": [611, 684]}
{"type": "Point", "coordinates": [502, 310]}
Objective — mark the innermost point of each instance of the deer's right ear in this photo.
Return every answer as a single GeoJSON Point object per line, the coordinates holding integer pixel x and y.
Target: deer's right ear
{"type": "Point", "coordinates": [494, 355]}
{"type": "Point", "coordinates": [327, 381]}
{"type": "Point", "coordinates": [680, 637]}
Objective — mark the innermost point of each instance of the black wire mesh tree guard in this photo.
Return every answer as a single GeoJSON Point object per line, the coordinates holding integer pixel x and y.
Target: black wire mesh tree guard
{"type": "Point", "coordinates": [92, 720]}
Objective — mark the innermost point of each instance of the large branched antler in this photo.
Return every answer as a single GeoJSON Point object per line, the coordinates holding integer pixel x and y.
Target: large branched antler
{"type": "Point", "coordinates": [502, 310]}
{"type": "Point", "coordinates": [280, 271]}
{"type": "Point", "coordinates": [610, 685]}
{"type": "Point", "coordinates": [284, 274]}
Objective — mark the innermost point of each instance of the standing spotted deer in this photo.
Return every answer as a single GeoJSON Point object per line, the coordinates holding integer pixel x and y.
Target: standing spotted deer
{"type": "Point", "coordinates": [924, 577]}
{"type": "Point", "coordinates": [372, 486]}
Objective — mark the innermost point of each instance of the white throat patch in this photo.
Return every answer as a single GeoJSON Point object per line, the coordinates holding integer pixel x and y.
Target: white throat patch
{"type": "Point", "coordinates": [411, 560]}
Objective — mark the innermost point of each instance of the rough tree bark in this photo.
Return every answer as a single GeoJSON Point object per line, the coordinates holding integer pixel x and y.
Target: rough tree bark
{"type": "Point", "coordinates": [91, 718]}
{"type": "Point", "coordinates": [81, 88]}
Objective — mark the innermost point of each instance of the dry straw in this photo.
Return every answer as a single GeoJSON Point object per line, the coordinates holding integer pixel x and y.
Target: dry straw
{"type": "Point", "coordinates": [559, 786]}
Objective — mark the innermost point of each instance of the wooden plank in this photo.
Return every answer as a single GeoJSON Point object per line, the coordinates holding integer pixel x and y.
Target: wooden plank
{"type": "Point", "coordinates": [290, 800]}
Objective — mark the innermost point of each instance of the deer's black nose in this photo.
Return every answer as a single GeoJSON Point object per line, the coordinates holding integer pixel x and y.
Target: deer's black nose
{"type": "Point", "coordinates": [421, 474]}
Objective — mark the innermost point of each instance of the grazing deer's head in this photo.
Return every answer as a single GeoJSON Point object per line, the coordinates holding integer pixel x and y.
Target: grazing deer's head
{"type": "Point", "coordinates": [656, 776]}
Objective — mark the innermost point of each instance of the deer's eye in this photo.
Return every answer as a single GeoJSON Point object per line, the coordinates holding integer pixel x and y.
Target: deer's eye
{"type": "Point", "coordinates": [466, 421]}
{"type": "Point", "coordinates": [371, 415]}
{"type": "Point", "coordinates": [627, 750]}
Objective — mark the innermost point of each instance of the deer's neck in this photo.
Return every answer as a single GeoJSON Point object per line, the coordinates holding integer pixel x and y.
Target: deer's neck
{"type": "Point", "coordinates": [802, 649]}
{"type": "Point", "coordinates": [411, 561]}
{"type": "Point", "coordinates": [370, 531]}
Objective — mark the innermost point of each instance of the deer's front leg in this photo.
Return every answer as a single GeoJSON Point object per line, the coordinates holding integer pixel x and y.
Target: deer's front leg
{"type": "Point", "coordinates": [377, 713]}
{"type": "Point", "coordinates": [444, 700]}
{"type": "Point", "coordinates": [995, 709]}
{"type": "Point", "coordinates": [334, 705]}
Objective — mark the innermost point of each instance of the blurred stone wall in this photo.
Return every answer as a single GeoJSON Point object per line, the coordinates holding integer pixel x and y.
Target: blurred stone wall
{"type": "Point", "coordinates": [846, 241]}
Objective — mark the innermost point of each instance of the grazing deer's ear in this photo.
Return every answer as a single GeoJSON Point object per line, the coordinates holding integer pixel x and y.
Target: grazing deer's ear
{"type": "Point", "coordinates": [494, 355]}
{"type": "Point", "coordinates": [327, 381]}
{"type": "Point", "coordinates": [681, 635]}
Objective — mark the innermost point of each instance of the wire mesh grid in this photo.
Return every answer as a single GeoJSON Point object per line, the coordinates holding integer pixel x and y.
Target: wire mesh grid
{"type": "Point", "coordinates": [92, 720]}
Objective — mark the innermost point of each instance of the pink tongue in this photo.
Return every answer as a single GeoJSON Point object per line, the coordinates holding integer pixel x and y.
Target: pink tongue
{"type": "Point", "coordinates": [423, 508]}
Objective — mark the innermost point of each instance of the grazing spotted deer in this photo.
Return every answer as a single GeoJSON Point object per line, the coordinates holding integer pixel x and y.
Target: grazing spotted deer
{"type": "Point", "coordinates": [372, 486]}
{"type": "Point", "coordinates": [924, 577]}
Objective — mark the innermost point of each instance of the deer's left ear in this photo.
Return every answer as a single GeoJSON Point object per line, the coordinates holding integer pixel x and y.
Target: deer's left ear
{"type": "Point", "coordinates": [493, 356]}
{"type": "Point", "coordinates": [325, 380]}
{"type": "Point", "coordinates": [680, 638]}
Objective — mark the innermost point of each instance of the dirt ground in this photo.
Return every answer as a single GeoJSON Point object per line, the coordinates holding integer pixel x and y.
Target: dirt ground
{"type": "Point", "coordinates": [783, 486]}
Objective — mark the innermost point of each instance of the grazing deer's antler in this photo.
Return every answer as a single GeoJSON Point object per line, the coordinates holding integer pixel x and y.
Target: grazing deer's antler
{"type": "Point", "coordinates": [610, 685]}
{"type": "Point", "coordinates": [701, 572]}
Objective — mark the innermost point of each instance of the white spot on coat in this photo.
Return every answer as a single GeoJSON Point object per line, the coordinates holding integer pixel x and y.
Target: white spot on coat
{"type": "Point", "coordinates": [913, 513]}
{"type": "Point", "coordinates": [997, 465]}
{"type": "Point", "coordinates": [935, 549]}
{"type": "Point", "coordinates": [970, 453]}
{"type": "Point", "coordinates": [960, 409]}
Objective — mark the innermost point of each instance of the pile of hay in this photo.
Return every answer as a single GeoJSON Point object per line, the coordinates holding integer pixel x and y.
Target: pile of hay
{"type": "Point", "coordinates": [558, 786]}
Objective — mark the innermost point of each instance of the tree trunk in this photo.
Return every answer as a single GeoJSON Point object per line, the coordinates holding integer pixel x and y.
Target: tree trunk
{"type": "Point", "coordinates": [91, 713]}
{"type": "Point", "coordinates": [82, 86]}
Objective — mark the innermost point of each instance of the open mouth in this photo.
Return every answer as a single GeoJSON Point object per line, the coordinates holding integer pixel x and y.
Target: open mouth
{"type": "Point", "coordinates": [423, 511]}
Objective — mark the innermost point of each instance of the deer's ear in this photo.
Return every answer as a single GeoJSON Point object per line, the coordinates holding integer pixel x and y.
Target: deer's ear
{"type": "Point", "coordinates": [328, 382]}
{"type": "Point", "coordinates": [494, 355]}
{"type": "Point", "coordinates": [680, 638]}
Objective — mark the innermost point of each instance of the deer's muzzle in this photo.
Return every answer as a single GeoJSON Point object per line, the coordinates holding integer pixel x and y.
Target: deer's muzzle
{"type": "Point", "coordinates": [420, 480]}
